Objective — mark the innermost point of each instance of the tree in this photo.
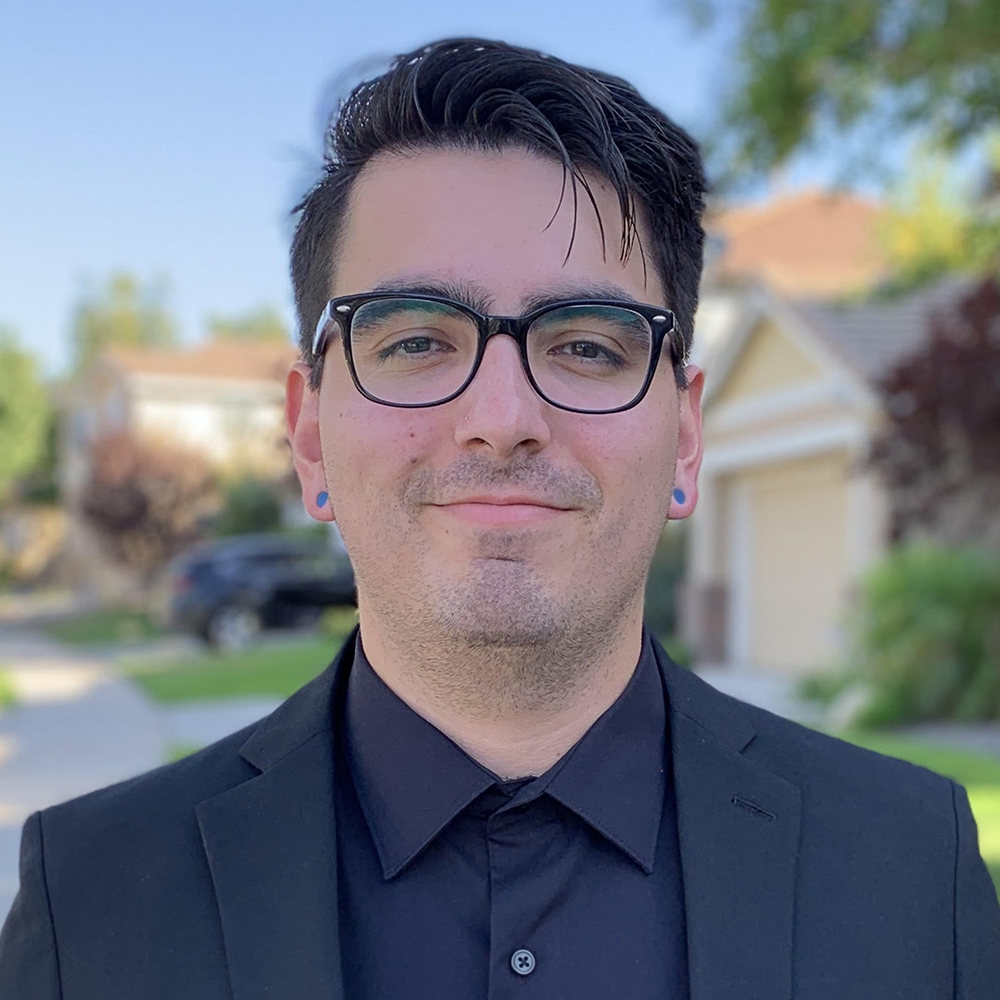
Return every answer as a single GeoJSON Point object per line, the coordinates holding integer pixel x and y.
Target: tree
{"type": "Point", "coordinates": [804, 66]}
{"type": "Point", "coordinates": [939, 453]}
{"type": "Point", "coordinates": [123, 313]}
{"type": "Point", "coordinates": [263, 324]}
{"type": "Point", "coordinates": [148, 500]}
{"type": "Point", "coordinates": [25, 413]}
{"type": "Point", "coordinates": [935, 222]}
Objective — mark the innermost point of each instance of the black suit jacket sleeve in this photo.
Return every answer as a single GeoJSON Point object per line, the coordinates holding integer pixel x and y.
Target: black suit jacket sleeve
{"type": "Point", "coordinates": [977, 914]}
{"type": "Point", "coordinates": [29, 965]}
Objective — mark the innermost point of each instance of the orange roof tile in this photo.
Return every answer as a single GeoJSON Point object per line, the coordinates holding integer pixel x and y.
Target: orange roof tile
{"type": "Point", "coordinates": [231, 359]}
{"type": "Point", "coordinates": [813, 243]}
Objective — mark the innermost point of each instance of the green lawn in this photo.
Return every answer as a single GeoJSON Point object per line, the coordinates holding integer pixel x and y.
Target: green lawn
{"type": "Point", "coordinates": [8, 696]}
{"type": "Point", "coordinates": [980, 775]}
{"type": "Point", "coordinates": [99, 627]}
{"type": "Point", "coordinates": [277, 670]}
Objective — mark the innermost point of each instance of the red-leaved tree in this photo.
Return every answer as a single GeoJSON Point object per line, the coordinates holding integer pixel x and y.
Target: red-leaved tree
{"type": "Point", "coordinates": [147, 500]}
{"type": "Point", "coordinates": [939, 453]}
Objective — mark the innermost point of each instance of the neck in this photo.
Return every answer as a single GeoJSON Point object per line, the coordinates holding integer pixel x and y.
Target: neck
{"type": "Point", "coordinates": [515, 710]}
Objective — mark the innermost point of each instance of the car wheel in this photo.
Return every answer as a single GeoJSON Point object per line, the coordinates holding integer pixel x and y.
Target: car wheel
{"type": "Point", "coordinates": [232, 627]}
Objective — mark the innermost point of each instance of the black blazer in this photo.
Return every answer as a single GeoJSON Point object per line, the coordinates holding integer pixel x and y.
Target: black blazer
{"type": "Point", "coordinates": [812, 869]}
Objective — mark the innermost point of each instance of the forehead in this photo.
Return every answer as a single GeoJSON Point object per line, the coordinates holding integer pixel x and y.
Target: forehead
{"type": "Point", "coordinates": [492, 219]}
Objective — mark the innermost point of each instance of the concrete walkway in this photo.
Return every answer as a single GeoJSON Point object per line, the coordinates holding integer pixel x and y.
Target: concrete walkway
{"type": "Point", "coordinates": [78, 726]}
{"type": "Point", "coordinates": [777, 694]}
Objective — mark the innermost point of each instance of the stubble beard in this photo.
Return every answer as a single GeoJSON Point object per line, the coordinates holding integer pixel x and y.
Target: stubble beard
{"type": "Point", "coordinates": [499, 637]}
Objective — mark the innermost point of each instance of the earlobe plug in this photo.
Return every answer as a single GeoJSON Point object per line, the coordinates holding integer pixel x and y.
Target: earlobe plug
{"type": "Point", "coordinates": [322, 498]}
{"type": "Point", "coordinates": [679, 496]}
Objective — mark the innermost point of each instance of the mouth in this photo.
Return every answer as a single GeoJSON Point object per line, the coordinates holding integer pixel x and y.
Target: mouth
{"type": "Point", "coordinates": [506, 511]}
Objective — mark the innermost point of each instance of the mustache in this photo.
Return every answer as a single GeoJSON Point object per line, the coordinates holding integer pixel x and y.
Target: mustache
{"type": "Point", "coordinates": [476, 473]}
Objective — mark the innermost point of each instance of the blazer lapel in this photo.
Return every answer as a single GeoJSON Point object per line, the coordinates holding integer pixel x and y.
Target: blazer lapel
{"type": "Point", "coordinates": [738, 825]}
{"type": "Point", "coordinates": [272, 851]}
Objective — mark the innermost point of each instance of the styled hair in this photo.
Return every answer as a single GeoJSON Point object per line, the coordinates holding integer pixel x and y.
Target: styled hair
{"type": "Point", "coordinates": [469, 93]}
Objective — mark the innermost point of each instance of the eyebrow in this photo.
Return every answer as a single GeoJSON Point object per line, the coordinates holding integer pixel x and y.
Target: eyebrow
{"type": "Point", "coordinates": [480, 298]}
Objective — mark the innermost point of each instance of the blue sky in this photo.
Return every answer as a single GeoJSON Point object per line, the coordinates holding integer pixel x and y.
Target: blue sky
{"type": "Point", "coordinates": [171, 140]}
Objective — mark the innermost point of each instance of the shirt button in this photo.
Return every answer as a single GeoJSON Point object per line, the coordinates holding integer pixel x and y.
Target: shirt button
{"type": "Point", "coordinates": [522, 962]}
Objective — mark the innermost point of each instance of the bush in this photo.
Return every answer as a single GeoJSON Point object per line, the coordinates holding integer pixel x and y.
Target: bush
{"type": "Point", "coordinates": [251, 505]}
{"type": "Point", "coordinates": [927, 636]}
{"type": "Point", "coordinates": [665, 573]}
{"type": "Point", "coordinates": [147, 500]}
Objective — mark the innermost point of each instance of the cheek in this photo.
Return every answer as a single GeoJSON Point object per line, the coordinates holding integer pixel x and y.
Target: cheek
{"type": "Point", "coordinates": [632, 458]}
{"type": "Point", "coordinates": [370, 450]}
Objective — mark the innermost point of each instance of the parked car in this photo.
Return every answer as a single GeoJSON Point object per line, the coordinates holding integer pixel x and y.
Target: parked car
{"type": "Point", "coordinates": [228, 591]}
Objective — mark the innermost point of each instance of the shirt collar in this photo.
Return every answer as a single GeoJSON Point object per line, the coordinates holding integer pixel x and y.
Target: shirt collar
{"type": "Point", "coordinates": [412, 780]}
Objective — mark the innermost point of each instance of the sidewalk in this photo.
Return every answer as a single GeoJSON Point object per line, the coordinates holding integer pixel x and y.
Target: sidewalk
{"type": "Point", "coordinates": [777, 694]}
{"type": "Point", "coordinates": [77, 727]}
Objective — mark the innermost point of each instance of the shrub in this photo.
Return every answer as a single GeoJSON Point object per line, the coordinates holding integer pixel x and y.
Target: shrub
{"type": "Point", "coordinates": [665, 573]}
{"type": "Point", "coordinates": [927, 636]}
{"type": "Point", "coordinates": [251, 505]}
{"type": "Point", "coordinates": [147, 500]}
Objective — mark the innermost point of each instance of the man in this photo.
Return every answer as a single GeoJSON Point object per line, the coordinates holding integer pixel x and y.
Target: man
{"type": "Point", "coordinates": [502, 786]}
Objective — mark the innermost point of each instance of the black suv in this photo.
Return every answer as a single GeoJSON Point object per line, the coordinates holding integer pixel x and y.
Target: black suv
{"type": "Point", "coordinates": [228, 591]}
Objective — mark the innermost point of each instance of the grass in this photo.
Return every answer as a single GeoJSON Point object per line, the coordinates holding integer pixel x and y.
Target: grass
{"type": "Point", "coordinates": [275, 670]}
{"type": "Point", "coordinates": [100, 627]}
{"type": "Point", "coordinates": [978, 774]}
{"type": "Point", "coordinates": [8, 694]}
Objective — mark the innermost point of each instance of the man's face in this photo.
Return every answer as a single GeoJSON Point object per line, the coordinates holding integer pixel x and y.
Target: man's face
{"type": "Point", "coordinates": [423, 496]}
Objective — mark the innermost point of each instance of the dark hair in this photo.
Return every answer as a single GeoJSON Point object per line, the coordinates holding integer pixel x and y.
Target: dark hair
{"type": "Point", "coordinates": [477, 94]}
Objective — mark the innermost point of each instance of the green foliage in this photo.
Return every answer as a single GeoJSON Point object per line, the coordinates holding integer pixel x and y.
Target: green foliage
{"type": "Point", "coordinates": [934, 224]}
{"type": "Point", "coordinates": [123, 313]}
{"type": "Point", "coordinates": [25, 414]}
{"type": "Point", "coordinates": [263, 324]}
{"type": "Point", "coordinates": [250, 505]}
{"type": "Point", "coordinates": [927, 636]}
{"type": "Point", "coordinates": [806, 65]}
{"type": "Point", "coordinates": [665, 574]}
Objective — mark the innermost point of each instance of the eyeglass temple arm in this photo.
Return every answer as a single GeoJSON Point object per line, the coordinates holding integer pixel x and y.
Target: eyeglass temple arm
{"type": "Point", "coordinates": [322, 324]}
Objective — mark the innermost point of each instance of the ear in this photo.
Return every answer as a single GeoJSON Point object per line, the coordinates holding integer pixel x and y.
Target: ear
{"type": "Point", "coordinates": [689, 444]}
{"type": "Point", "coordinates": [302, 423]}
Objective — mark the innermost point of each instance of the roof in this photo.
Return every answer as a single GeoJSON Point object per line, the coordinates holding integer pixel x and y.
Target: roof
{"type": "Point", "coordinates": [812, 243]}
{"type": "Point", "coordinates": [227, 359]}
{"type": "Point", "coordinates": [875, 336]}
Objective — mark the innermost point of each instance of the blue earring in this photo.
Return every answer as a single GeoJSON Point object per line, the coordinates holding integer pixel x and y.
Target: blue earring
{"type": "Point", "coordinates": [679, 496]}
{"type": "Point", "coordinates": [322, 498]}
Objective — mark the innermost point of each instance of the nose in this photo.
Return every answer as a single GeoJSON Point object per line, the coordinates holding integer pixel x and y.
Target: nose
{"type": "Point", "coordinates": [500, 412]}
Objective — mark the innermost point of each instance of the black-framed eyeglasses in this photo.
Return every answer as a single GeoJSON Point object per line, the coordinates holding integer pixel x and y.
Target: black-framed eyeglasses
{"type": "Point", "coordinates": [582, 355]}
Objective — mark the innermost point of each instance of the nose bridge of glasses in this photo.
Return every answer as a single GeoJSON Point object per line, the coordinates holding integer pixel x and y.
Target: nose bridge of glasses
{"type": "Point", "coordinates": [511, 326]}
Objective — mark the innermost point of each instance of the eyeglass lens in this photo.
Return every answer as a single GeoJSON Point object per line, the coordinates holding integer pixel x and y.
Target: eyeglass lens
{"type": "Point", "coordinates": [587, 357]}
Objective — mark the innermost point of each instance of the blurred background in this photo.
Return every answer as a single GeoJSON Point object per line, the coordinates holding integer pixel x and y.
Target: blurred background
{"type": "Point", "coordinates": [160, 583]}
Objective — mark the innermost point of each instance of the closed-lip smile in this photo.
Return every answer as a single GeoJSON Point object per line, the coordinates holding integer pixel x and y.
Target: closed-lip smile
{"type": "Point", "coordinates": [505, 510]}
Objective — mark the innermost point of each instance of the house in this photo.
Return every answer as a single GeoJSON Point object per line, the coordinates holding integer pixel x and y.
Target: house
{"type": "Point", "coordinates": [789, 518]}
{"type": "Point", "coordinates": [222, 398]}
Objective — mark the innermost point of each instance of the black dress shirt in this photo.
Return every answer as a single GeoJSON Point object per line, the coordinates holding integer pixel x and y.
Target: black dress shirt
{"type": "Point", "coordinates": [455, 884]}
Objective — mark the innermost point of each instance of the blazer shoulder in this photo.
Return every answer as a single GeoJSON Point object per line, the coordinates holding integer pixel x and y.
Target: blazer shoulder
{"type": "Point", "coordinates": [841, 771]}
{"type": "Point", "coordinates": [155, 798]}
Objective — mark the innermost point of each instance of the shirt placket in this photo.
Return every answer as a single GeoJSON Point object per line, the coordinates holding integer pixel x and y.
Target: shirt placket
{"type": "Point", "coordinates": [517, 959]}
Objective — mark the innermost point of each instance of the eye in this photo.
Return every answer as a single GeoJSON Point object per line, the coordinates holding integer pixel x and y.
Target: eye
{"type": "Point", "coordinates": [588, 350]}
{"type": "Point", "coordinates": [414, 345]}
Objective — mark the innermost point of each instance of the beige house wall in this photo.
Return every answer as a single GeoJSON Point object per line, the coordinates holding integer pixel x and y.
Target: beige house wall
{"type": "Point", "coordinates": [796, 547]}
{"type": "Point", "coordinates": [787, 517]}
{"type": "Point", "coordinates": [768, 362]}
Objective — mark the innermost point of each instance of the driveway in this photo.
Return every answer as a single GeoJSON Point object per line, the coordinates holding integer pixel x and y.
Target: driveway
{"type": "Point", "coordinates": [77, 726]}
